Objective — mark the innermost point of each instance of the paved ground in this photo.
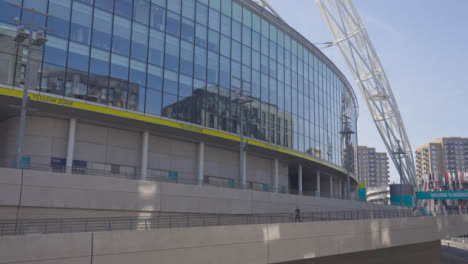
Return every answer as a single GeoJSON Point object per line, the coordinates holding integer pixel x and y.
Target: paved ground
{"type": "Point", "coordinates": [454, 252]}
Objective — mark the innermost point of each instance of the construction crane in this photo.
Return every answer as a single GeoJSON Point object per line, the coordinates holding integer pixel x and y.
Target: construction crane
{"type": "Point", "coordinates": [351, 37]}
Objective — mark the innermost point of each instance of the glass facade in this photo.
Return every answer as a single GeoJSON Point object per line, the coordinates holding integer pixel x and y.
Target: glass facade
{"type": "Point", "coordinates": [187, 60]}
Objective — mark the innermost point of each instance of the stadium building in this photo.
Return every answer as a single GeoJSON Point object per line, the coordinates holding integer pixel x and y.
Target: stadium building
{"type": "Point", "coordinates": [159, 91]}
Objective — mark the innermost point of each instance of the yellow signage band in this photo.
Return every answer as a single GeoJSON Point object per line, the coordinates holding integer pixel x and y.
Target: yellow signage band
{"type": "Point", "coordinates": [79, 104]}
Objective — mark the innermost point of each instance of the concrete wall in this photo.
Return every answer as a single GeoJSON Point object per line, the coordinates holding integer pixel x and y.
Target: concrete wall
{"type": "Point", "coordinates": [222, 163]}
{"type": "Point", "coordinates": [47, 190]}
{"type": "Point", "coordinates": [272, 243]}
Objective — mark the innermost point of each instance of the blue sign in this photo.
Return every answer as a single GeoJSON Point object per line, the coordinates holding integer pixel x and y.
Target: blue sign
{"type": "Point", "coordinates": [362, 192]}
{"type": "Point", "coordinates": [172, 175]}
{"type": "Point", "coordinates": [58, 162]}
{"type": "Point", "coordinates": [408, 200]}
{"type": "Point", "coordinates": [443, 195]}
{"type": "Point", "coordinates": [79, 164]}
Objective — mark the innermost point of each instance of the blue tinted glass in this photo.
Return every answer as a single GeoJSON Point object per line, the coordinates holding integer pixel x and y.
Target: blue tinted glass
{"type": "Point", "coordinates": [136, 97]}
{"type": "Point", "coordinates": [201, 35]}
{"type": "Point", "coordinates": [105, 4]}
{"type": "Point", "coordinates": [169, 103]}
{"type": "Point", "coordinates": [99, 64]}
{"type": "Point", "coordinates": [158, 17]}
{"type": "Point", "coordinates": [102, 29]}
{"type": "Point", "coordinates": [256, 41]}
{"type": "Point", "coordinates": [226, 25]}
{"type": "Point", "coordinates": [156, 49]}
{"type": "Point", "coordinates": [139, 41]}
{"type": "Point", "coordinates": [78, 56]}
{"type": "Point", "coordinates": [55, 51]}
{"type": "Point", "coordinates": [214, 19]}
{"type": "Point", "coordinates": [236, 30]}
{"type": "Point", "coordinates": [200, 63]}
{"type": "Point", "coordinates": [39, 5]}
{"type": "Point", "coordinates": [247, 17]}
{"type": "Point", "coordinates": [154, 77]}
{"type": "Point", "coordinates": [202, 14]}
{"type": "Point", "coordinates": [256, 84]}
{"type": "Point", "coordinates": [161, 3]}
{"type": "Point", "coordinates": [213, 65]}
{"type": "Point", "coordinates": [265, 28]}
{"type": "Point", "coordinates": [141, 10]}
{"type": "Point", "coordinates": [264, 88]}
{"type": "Point", "coordinates": [123, 8]}
{"type": "Point", "coordinates": [272, 50]}
{"type": "Point", "coordinates": [235, 74]}
{"type": "Point", "coordinates": [170, 82]}
{"type": "Point", "coordinates": [226, 7]}
{"type": "Point", "coordinates": [173, 23]}
{"type": "Point", "coordinates": [246, 55]}
{"type": "Point", "coordinates": [186, 58]}
{"type": "Point", "coordinates": [213, 41]}
{"type": "Point", "coordinates": [121, 39]}
{"type": "Point", "coordinates": [246, 36]}
{"type": "Point", "coordinates": [188, 9]}
{"type": "Point", "coordinates": [119, 67]}
{"type": "Point", "coordinates": [7, 11]}
{"type": "Point", "coordinates": [185, 86]}
{"type": "Point", "coordinates": [226, 46]}
{"type": "Point", "coordinates": [265, 45]}
{"type": "Point", "coordinates": [81, 23]}
{"type": "Point", "coordinates": [172, 53]}
{"type": "Point", "coordinates": [236, 12]}
{"type": "Point", "coordinates": [174, 6]}
{"type": "Point", "coordinates": [224, 72]}
{"type": "Point", "coordinates": [236, 50]}
{"type": "Point", "coordinates": [59, 23]}
{"type": "Point", "coordinates": [153, 102]}
{"type": "Point", "coordinates": [53, 79]}
{"type": "Point", "coordinates": [188, 29]}
{"type": "Point", "coordinates": [256, 60]}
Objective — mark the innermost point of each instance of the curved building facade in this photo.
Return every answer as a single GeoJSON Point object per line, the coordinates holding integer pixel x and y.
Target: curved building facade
{"type": "Point", "coordinates": [181, 64]}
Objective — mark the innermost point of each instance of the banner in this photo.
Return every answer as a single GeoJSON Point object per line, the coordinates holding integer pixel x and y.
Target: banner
{"type": "Point", "coordinates": [444, 195]}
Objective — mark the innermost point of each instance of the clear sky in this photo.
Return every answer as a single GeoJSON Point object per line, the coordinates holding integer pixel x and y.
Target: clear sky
{"type": "Point", "coordinates": [423, 46]}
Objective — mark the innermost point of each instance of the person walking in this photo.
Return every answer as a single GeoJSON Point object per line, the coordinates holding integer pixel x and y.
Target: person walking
{"type": "Point", "coordinates": [297, 214]}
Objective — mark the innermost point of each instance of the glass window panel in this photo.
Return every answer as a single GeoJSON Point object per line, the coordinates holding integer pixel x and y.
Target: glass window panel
{"type": "Point", "coordinates": [53, 79]}
{"type": "Point", "coordinates": [123, 8]}
{"type": "Point", "coordinates": [202, 14]}
{"type": "Point", "coordinates": [170, 82]}
{"type": "Point", "coordinates": [247, 18]}
{"type": "Point", "coordinates": [119, 67]}
{"type": "Point", "coordinates": [102, 29]}
{"type": "Point", "coordinates": [7, 11]}
{"type": "Point", "coordinates": [236, 50]}
{"type": "Point", "coordinates": [156, 49]}
{"type": "Point", "coordinates": [153, 102]}
{"type": "Point", "coordinates": [173, 23]}
{"type": "Point", "coordinates": [136, 94]}
{"type": "Point", "coordinates": [264, 64]}
{"type": "Point", "coordinates": [76, 84]}
{"type": "Point", "coordinates": [201, 35]}
{"type": "Point", "coordinates": [154, 78]}
{"type": "Point", "coordinates": [256, 60]}
{"type": "Point", "coordinates": [188, 9]}
{"type": "Point", "coordinates": [272, 50]}
{"type": "Point", "coordinates": [169, 106]}
{"type": "Point", "coordinates": [225, 72]}
{"type": "Point", "coordinates": [256, 84]}
{"type": "Point", "coordinates": [200, 63]}
{"type": "Point", "coordinates": [186, 58]}
{"type": "Point", "coordinates": [158, 17]}
{"type": "Point", "coordinates": [256, 40]}
{"type": "Point", "coordinates": [78, 56]}
{"type": "Point", "coordinates": [105, 4]}
{"type": "Point", "coordinates": [236, 30]}
{"type": "Point", "coordinates": [174, 6]}
{"type": "Point", "coordinates": [246, 36]}
{"type": "Point", "coordinates": [213, 65]}
{"type": "Point", "coordinates": [81, 23]}
{"type": "Point", "coordinates": [188, 29]}
{"type": "Point", "coordinates": [235, 75]}
{"type": "Point", "coordinates": [161, 3]}
{"type": "Point", "coordinates": [246, 55]}
{"type": "Point", "coordinates": [39, 5]}
{"type": "Point", "coordinates": [280, 38]}
{"type": "Point", "coordinates": [256, 24]}
{"type": "Point", "coordinates": [264, 88]}
{"type": "Point", "coordinates": [99, 64]}
{"type": "Point", "coordinates": [226, 46]}
{"type": "Point", "coordinates": [139, 41]}
{"type": "Point", "coordinates": [118, 83]}
{"type": "Point", "coordinates": [55, 51]}
{"type": "Point", "coordinates": [226, 25]}
{"type": "Point", "coordinates": [172, 53]}
{"type": "Point", "coordinates": [226, 7]}
{"type": "Point", "coordinates": [273, 92]}
{"type": "Point", "coordinates": [121, 36]}
{"type": "Point", "coordinates": [216, 4]}
{"type": "Point", "coordinates": [60, 20]}
{"type": "Point", "coordinates": [273, 33]}
{"type": "Point", "coordinates": [236, 12]}
{"type": "Point", "coordinates": [141, 10]}
{"type": "Point", "coordinates": [265, 28]}
{"type": "Point", "coordinates": [213, 41]}
{"type": "Point", "coordinates": [265, 46]}
{"type": "Point", "coordinates": [185, 86]}
{"type": "Point", "coordinates": [214, 19]}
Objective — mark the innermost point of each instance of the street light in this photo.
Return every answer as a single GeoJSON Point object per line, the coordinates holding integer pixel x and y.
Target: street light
{"type": "Point", "coordinates": [37, 38]}
{"type": "Point", "coordinates": [241, 100]}
{"type": "Point", "coordinates": [346, 133]}
{"type": "Point", "coordinates": [399, 151]}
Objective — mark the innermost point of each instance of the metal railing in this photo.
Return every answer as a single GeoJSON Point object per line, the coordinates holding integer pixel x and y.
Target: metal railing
{"type": "Point", "coordinates": [68, 225]}
{"type": "Point", "coordinates": [156, 178]}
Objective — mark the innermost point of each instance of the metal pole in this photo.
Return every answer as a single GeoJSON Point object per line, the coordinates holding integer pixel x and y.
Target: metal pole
{"type": "Point", "coordinates": [348, 188]}
{"type": "Point", "coordinates": [241, 149]}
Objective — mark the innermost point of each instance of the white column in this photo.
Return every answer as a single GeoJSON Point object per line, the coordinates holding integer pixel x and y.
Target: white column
{"type": "Point", "coordinates": [299, 174]}
{"type": "Point", "coordinates": [244, 169]}
{"type": "Point", "coordinates": [71, 144]}
{"type": "Point", "coordinates": [276, 174]}
{"type": "Point", "coordinates": [144, 155]}
{"type": "Point", "coordinates": [201, 162]}
{"type": "Point", "coordinates": [318, 183]}
{"type": "Point", "coordinates": [331, 186]}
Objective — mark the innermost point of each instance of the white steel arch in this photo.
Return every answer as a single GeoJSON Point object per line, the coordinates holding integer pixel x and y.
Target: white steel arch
{"type": "Point", "coordinates": [352, 39]}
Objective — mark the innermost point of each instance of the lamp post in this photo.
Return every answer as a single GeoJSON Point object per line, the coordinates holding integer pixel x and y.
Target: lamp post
{"type": "Point", "coordinates": [346, 133]}
{"type": "Point", "coordinates": [240, 100]}
{"type": "Point", "coordinates": [34, 39]}
{"type": "Point", "coordinates": [399, 151]}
